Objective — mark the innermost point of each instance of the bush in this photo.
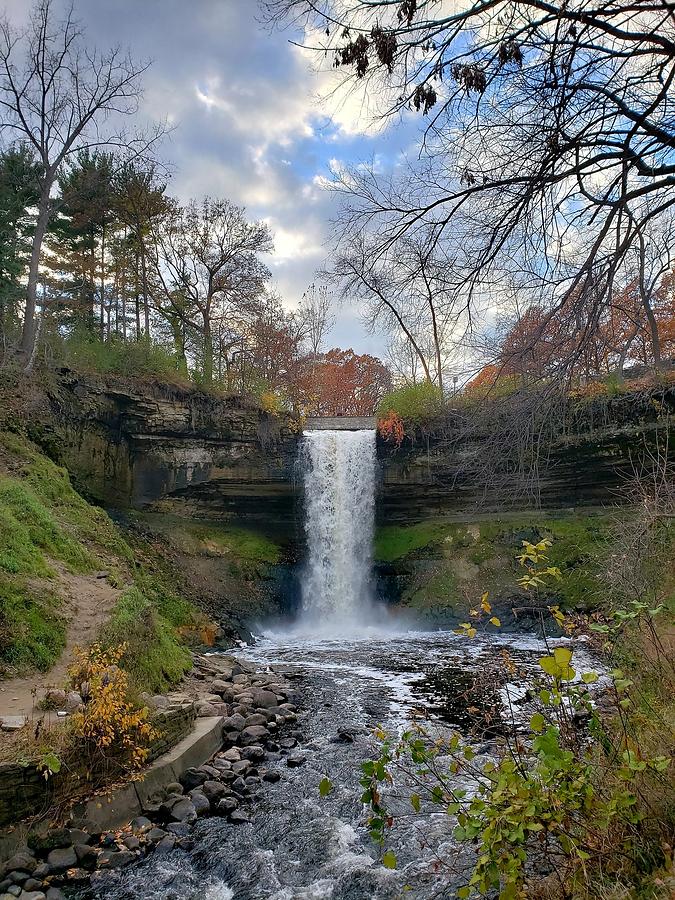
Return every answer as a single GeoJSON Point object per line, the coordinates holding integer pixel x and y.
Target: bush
{"type": "Point", "coordinates": [414, 403]}
{"type": "Point", "coordinates": [85, 352]}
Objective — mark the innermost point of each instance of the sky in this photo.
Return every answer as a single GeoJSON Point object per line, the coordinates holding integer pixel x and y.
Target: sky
{"type": "Point", "coordinates": [251, 122]}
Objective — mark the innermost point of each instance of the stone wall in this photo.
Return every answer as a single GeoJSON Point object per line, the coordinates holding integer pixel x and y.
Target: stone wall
{"type": "Point", "coordinates": [24, 791]}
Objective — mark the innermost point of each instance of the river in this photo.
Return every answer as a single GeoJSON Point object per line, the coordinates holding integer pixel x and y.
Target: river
{"type": "Point", "coordinates": [300, 846]}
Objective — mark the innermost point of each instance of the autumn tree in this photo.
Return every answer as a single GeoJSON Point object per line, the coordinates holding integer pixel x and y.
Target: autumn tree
{"type": "Point", "coordinates": [208, 272]}
{"type": "Point", "coordinates": [344, 383]}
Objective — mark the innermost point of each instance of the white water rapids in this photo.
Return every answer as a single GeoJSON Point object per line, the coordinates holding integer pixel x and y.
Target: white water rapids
{"type": "Point", "coordinates": [339, 482]}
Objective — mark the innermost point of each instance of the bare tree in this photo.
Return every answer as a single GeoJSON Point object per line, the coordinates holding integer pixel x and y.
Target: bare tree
{"type": "Point", "coordinates": [205, 260]}
{"type": "Point", "coordinates": [60, 97]}
{"type": "Point", "coordinates": [315, 315]}
{"type": "Point", "coordinates": [549, 145]}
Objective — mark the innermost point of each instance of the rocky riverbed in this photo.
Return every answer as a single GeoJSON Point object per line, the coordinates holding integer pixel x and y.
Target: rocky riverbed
{"type": "Point", "coordinates": [259, 725]}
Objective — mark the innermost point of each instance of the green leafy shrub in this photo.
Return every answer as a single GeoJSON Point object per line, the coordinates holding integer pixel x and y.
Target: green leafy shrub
{"type": "Point", "coordinates": [32, 630]}
{"type": "Point", "coordinates": [414, 403]}
{"type": "Point", "coordinates": [143, 358]}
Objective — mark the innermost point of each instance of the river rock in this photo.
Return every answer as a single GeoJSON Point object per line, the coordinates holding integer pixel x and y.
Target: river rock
{"type": "Point", "coordinates": [32, 895]}
{"type": "Point", "coordinates": [288, 743]}
{"type": "Point", "coordinates": [205, 708]}
{"type": "Point", "coordinates": [184, 811]}
{"type": "Point", "coordinates": [22, 861]}
{"type": "Point", "coordinates": [240, 817]}
{"type": "Point", "coordinates": [140, 825]}
{"type": "Point", "coordinates": [295, 759]}
{"type": "Point", "coordinates": [253, 734]}
{"type": "Point", "coordinates": [192, 778]}
{"type": "Point", "coordinates": [179, 829]}
{"type": "Point", "coordinates": [214, 790]}
{"type": "Point", "coordinates": [62, 859]}
{"type": "Point", "coordinates": [219, 686]}
{"type": "Point", "coordinates": [167, 843]}
{"type": "Point", "coordinates": [115, 859]}
{"type": "Point", "coordinates": [273, 776]}
{"type": "Point", "coordinates": [234, 723]}
{"type": "Point", "coordinates": [18, 877]}
{"type": "Point", "coordinates": [173, 787]}
{"type": "Point", "coordinates": [156, 834]}
{"type": "Point", "coordinates": [131, 842]}
{"type": "Point", "coordinates": [86, 855]}
{"type": "Point", "coordinates": [226, 805]}
{"type": "Point", "coordinates": [231, 755]}
{"type": "Point", "coordinates": [254, 753]}
{"type": "Point", "coordinates": [242, 766]}
{"type": "Point", "coordinates": [240, 679]}
{"type": "Point", "coordinates": [256, 719]}
{"type": "Point", "coordinates": [55, 894]}
{"type": "Point", "coordinates": [41, 871]}
{"type": "Point", "coordinates": [200, 801]}
{"type": "Point", "coordinates": [264, 698]}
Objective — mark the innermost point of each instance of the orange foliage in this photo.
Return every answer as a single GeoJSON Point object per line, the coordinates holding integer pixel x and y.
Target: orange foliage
{"type": "Point", "coordinates": [390, 428]}
{"type": "Point", "coordinates": [343, 383]}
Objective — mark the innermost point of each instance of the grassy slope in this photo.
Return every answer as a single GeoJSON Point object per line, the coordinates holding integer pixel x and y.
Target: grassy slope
{"type": "Point", "coordinates": [448, 565]}
{"type": "Point", "coordinates": [43, 521]}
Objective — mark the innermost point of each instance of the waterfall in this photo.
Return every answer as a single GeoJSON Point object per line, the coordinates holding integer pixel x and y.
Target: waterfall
{"type": "Point", "coordinates": [339, 481]}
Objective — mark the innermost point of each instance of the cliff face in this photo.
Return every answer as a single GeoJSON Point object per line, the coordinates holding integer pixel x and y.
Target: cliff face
{"type": "Point", "coordinates": [178, 451]}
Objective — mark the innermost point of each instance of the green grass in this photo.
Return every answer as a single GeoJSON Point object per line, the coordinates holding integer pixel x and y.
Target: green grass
{"type": "Point", "coordinates": [398, 541]}
{"type": "Point", "coordinates": [240, 542]}
{"type": "Point", "coordinates": [32, 631]}
{"type": "Point", "coordinates": [579, 544]}
{"type": "Point", "coordinates": [44, 520]}
{"type": "Point", "coordinates": [154, 657]}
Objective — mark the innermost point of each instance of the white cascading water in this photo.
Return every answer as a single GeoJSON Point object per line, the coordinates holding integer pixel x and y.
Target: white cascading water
{"type": "Point", "coordinates": [339, 480]}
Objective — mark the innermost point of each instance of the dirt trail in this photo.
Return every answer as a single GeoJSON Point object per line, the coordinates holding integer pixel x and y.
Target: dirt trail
{"type": "Point", "coordinates": [88, 601]}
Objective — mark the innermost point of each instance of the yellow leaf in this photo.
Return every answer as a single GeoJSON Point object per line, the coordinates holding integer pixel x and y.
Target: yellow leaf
{"type": "Point", "coordinates": [495, 621]}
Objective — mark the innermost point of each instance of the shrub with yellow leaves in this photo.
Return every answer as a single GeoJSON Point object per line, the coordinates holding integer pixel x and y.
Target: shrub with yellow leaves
{"type": "Point", "coordinates": [111, 729]}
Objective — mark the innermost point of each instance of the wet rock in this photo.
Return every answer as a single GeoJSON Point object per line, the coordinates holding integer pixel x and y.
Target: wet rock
{"type": "Point", "coordinates": [230, 737]}
{"type": "Point", "coordinates": [226, 806]}
{"type": "Point", "coordinates": [184, 811]}
{"type": "Point", "coordinates": [254, 753]}
{"type": "Point", "coordinates": [41, 871]}
{"type": "Point", "coordinates": [288, 743]}
{"type": "Point", "coordinates": [62, 859]}
{"type": "Point", "coordinates": [239, 817]}
{"type": "Point", "coordinates": [264, 698]}
{"type": "Point", "coordinates": [167, 843]}
{"type": "Point", "coordinates": [253, 734]}
{"type": "Point", "coordinates": [115, 859]}
{"type": "Point", "coordinates": [214, 790]}
{"type": "Point", "coordinates": [55, 894]}
{"type": "Point", "coordinates": [131, 842]}
{"type": "Point", "coordinates": [239, 785]}
{"type": "Point", "coordinates": [18, 877]}
{"type": "Point", "coordinates": [192, 778]}
{"type": "Point", "coordinates": [140, 825]}
{"type": "Point", "coordinates": [32, 884]}
{"type": "Point", "coordinates": [222, 765]}
{"type": "Point", "coordinates": [86, 856]}
{"type": "Point", "coordinates": [273, 776]}
{"type": "Point", "coordinates": [200, 801]}
{"type": "Point", "coordinates": [211, 771]}
{"type": "Point", "coordinates": [295, 759]}
{"type": "Point", "coordinates": [32, 895]}
{"type": "Point", "coordinates": [179, 829]}
{"type": "Point", "coordinates": [22, 861]}
{"type": "Point", "coordinates": [79, 836]}
{"type": "Point", "coordinates": [242, 766]}
{"type": "Point", "coordinates": [156, 834]}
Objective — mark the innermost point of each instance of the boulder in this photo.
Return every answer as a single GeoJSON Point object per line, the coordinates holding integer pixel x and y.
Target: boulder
{"type": "Point", "coordinates": [226, 806]}
{"type": "Point", "coordinates": [255, 719]}
{"type": "Point", "coordinates": [264, 698]}
{"type": "Point", "coordinates": [200, 800]}
{"type": "Point", "coordinates": [140, 825]}
{"type": "Point", "coordinates": [219, 686]}
{"type": "Point", "coordinates": [254, 753]}
{"type": "Point", "coordinates": [156, 834]}
{"type": "Point", "coordinates": [272, 776]}
{"type": "Point", "coordinates": [213, 791]}
{"type": "Point", "coordinates": [239, 817]}
{"type": "Point", "coordinates": [253, 734]}
{"type": "Point", "coordinates": [184, 811]}
{"type": "Point", "coordinates": [239, 768]}
{"type": "Point", "coordinates": [55, 894]}
{"type": "Point", "coordinates": [23, 861]}
{"type": "Point", "coordinates": [295, 759]}
{"type": "Point", "coordinates": [234, 723]}
{"type": "Point", "coordinates": [131, 842]}
{"type": "Point", "coordinates": [55, 698]}
{"type": "Point", "coordinates": [73, 701]}
{"type": "Point", "coordinates": [205, 708]}
{"type": "Point", "coordinates": [86, 856]}
{"type": "Point", "coordinates": [192, 778]}
{"type": "Point", "coordinates": [61, 859]}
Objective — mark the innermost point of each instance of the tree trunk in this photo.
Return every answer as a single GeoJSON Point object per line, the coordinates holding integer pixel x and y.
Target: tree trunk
{"type": "Point", "coordinates": [103, 284]}
{"type": "Point", "coordinates": [29, 333]}
{"type": "Point", "coordinates": [144, 283]}
{"type": "Point", "coordinates": [208, 352]}
{"type": "Point", "coordinates": [138, 303]}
